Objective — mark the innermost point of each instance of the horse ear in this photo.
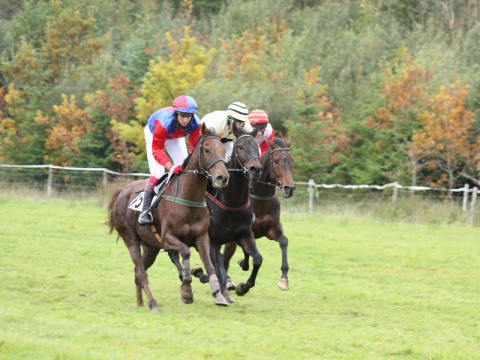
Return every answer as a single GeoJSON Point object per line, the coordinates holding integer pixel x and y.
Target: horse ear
{"type": "Point", "coordinates": [204, 130]}
{"type": "Point", "coordinates": [289, 142]}
{"type": "Point", "coordinates": [270, 143]}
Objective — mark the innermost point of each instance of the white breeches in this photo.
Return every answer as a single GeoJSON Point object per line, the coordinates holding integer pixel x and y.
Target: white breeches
{"type": "Point", "coordinates": [176, 149]}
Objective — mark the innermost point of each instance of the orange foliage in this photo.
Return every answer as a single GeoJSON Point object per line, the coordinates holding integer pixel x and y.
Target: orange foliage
{"type": "Point", "coordinates": [69, 126]}
{"type": "Point", "coordinates": [448, 128]}
{"type": "Point", "coordinates": [404, 90]}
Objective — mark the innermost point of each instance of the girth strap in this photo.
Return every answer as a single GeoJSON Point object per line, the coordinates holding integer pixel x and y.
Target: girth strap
{"type": "Point", "coordinates": [184, 202]}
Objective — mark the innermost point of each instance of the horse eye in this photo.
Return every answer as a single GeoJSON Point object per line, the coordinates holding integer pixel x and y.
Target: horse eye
{"type": "Point", "coordinates": [207, 151]}
{"type": "Point", "coordinates": [240, 147]}
{"type": "Point", "coordinates": [275, 161]}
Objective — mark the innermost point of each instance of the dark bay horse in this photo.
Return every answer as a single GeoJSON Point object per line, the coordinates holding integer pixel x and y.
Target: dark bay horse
{"type": "Point", "coordinates": [232, 216]}
{"type": "Point", "coordinates": [181, 219]}
{"type": "Point", "coordinates": [277, 168]}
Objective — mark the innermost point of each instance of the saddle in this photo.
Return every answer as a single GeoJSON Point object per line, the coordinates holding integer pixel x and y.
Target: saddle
{"type": "Point", "coordinates": [137, 203]}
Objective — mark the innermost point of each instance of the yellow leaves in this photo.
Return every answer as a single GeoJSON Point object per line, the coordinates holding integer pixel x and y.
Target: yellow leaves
{"type": "Point", "coordinates": [69, 125]}
{"type": "Point", "coordinates": [185, 66]}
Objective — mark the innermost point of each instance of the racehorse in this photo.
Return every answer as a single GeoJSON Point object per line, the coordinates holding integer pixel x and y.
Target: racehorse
{"type": "Point", "coordinates": [181, 219]}
{"type": "Point", "coordinates": [277, 168]}
{"type": "Point", "coordinates": [232, 215]}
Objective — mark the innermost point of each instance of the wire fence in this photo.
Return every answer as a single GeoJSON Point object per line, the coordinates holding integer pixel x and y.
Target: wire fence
{"type": "Point", "coordinates": [309, 197]}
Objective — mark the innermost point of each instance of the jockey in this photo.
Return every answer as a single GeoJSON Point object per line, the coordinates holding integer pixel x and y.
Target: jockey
{"type": "Point", "coordinates": [221, 121]}
{"type": "Point", "coordinates": [165, 133]}
{"type": "Point", "coordinates": [259, 120]}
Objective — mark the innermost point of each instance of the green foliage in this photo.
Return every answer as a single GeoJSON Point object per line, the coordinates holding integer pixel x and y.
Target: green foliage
{"type": "Point", "coordinates": [165, 80]}
{"type": "Point", "coordinates": [251, 51]}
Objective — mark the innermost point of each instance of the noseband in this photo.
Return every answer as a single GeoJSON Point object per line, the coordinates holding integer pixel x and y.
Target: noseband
{"type": "Point", "coordinates": [270, 166]}
{"type": "Point", "coordinates": [239, 158]}
{"type": "Point", "coordinates": [203, 172]}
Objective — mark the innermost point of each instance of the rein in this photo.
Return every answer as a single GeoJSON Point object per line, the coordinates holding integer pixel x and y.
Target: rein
{"type": "Point", "coordinates": [202, 172]}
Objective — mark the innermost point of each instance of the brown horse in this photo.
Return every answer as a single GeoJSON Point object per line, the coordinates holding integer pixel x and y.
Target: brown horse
{"type": "Point", "coordinates": [277, 168]}
{"type": "Point", "coordinates": [181, 218]}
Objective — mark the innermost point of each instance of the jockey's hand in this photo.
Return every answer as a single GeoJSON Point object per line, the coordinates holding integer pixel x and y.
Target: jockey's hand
{"type": "Point", "coordinates": [176, 169]}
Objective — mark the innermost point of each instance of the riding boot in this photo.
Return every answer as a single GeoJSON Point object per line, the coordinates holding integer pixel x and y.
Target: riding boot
{"type": "Point", "coordinates": [145, 217]}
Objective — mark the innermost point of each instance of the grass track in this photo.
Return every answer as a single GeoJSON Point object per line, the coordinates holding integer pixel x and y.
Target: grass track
{"type": "Point", "coordinates": [360, 289]}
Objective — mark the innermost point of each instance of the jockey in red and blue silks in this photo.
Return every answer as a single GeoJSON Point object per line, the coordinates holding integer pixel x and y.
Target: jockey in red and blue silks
{"type": "Point", "coordinates": [165, 141]}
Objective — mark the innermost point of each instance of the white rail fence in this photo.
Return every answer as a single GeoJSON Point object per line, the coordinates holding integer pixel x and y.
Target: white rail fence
{"type": "Point", "coordinates": [63, 179]}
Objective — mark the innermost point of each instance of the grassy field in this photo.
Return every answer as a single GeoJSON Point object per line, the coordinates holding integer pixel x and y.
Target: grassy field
{"type": "Point", "coordinates": [359, 289]}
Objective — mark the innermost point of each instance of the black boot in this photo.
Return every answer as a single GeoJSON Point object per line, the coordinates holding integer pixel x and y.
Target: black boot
{"type": "Point", "coordinates": [146, 217]}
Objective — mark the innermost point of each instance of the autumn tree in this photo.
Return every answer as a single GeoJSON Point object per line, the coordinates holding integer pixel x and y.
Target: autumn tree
{"type": "Point", "coordinates": [316, 129]}
{"type": "Point", "coordinates": [67, 128]}
{"type": "Point", "coordinates": [102, 143]}
{"type": "Point", "coordinates": [184, 67]}
{"type": "Point", "coordinates": [405, 94]}
{"type": "Point", "coordinates": [448, 134]}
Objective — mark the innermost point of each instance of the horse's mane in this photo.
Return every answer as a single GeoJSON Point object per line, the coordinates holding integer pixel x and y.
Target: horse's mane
{"type": "Point", "coordinates": [209, 132]}
{"type": "Point", "coordinates": [280, 141]}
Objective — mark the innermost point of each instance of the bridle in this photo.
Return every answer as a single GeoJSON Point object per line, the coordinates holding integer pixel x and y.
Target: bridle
{"type": "Point", "coordinates": [202, 171]}
{"type": "Point", "coordinates": [270, 166]}
{"type": "Point", "coordinates": [238, 158]}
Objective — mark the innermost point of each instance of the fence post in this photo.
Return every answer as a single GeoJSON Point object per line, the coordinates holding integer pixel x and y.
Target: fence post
{"type": "Point", "coordinates": [105, 178]}
{"type": "Point", "coordinates": [311, 194]}
{"type": "Point", "coordinates": [472, 205]}
{"type": "Point", "coordinates": [395, 192]}
{"type": "Point", "coordinates": [465, 198]}
{"type": "Point", "coordinates": [50, 180]}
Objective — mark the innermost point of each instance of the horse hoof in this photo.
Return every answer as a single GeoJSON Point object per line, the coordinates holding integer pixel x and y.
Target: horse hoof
{"type": "Point", "coordinates": [186, 293]}
{"type": "Point", "coordinates": [242, 289]}
{"type": "Point", "coordinates": [187, 300]}
{"type": "Point", "coordinates": [197, 272]}
{"type": "Point", "coordinates": [231, 285]}
{"type": "Point", "coordinates": [221, 302]}
{"type": "Point", "coordinates": [228, 297]}
{"type": "Point", "coordinates": [241, 262]}
{"type": "Point", "coordinates": [283, 284]}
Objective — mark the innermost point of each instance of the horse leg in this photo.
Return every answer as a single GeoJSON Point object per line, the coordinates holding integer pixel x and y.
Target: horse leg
{"type": "Point", "coordinates": [203, 247]}
{"type": "Point", "coordinates": [244, 263]}
{"type": "Point", "coordinates": [228, 252]}
{"type": "Point", "coordinates": [249, 246]}
{"type": "Point", "coordinates": [141, 279]}
{"type": "Point", "coordinates": [217, 260]}
{"type": "Point", "coordinates": [186, 287]}
{"type": "Point", "coordinates": [175, 259]}
{"type": "Point", "coordinates": [283, 282]}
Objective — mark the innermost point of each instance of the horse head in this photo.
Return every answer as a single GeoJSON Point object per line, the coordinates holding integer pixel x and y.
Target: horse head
{"type": "Point", "coordinates": [211, 157]}
{"type": "Point", "coordinates": [280, 167]}
{"type": "Point", "coordinates": [247, 152]}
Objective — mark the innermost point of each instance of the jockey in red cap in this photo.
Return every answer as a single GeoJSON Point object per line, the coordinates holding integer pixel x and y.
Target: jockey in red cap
{"type": "Point", "coordinates": [259, 120]}
{"type": "Point", "coordinates": [166, 148]}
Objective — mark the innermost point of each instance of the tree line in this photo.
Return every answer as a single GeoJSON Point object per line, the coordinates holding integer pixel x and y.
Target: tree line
{"type": "Point", "coordinates": [370, 91]}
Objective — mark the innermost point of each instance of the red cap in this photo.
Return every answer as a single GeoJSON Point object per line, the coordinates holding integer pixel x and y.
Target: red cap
{"type": "Point", "coordinates": [258, 116]}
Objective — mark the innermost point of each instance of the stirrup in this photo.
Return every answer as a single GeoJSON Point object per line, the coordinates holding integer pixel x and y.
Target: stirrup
{"type": "Point", "coordinates": [145, 218]}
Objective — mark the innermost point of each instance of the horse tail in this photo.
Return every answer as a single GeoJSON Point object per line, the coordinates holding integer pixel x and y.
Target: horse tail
{"type": "Point", "coordinates": [111, 206]}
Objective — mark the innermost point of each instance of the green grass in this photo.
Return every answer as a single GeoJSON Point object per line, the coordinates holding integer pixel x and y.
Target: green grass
{"type": "Point", "coordinates": [359, 289]}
